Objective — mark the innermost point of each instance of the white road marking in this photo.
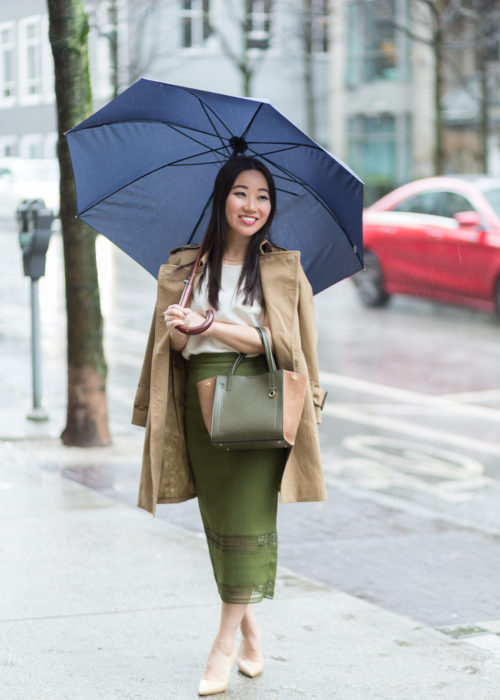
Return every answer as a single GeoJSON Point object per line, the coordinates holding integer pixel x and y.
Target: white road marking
{"type": "Point", "coordinates": [406, 396]}
{"type": "Point", "coordinates": [394, 425]}
{"type": "Point", "coordinates": [387, 462]}
{"type": "Point", "coordinates": [485, 395]}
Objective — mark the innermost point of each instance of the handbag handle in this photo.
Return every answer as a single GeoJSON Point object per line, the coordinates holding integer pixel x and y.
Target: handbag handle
{"type": "Point", "coordinates": [271, 364]}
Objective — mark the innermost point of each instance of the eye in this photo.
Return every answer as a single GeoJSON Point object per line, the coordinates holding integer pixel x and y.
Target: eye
{"type": "Point", "coordinates": [239, 192]}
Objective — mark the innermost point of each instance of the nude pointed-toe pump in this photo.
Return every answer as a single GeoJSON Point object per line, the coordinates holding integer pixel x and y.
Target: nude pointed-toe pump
{"type": "Point", "coordinates": [250, 668]}
{"type": "Point", "coordinates": [208, 687]}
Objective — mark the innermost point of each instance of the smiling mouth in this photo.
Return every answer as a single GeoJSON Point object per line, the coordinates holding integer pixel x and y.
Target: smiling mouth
{"type": "Point", "coordinates": [248, 219]}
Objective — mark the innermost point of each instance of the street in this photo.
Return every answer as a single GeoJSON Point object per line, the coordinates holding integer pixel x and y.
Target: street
{"type": "Point", "coordinates": [410, 439]}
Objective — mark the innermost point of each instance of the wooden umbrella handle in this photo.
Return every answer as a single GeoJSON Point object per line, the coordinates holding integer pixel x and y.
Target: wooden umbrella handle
{"type": "Point", "coordinates": [209, 317]}
{"type": "Point", "coordinates": [196, 330]}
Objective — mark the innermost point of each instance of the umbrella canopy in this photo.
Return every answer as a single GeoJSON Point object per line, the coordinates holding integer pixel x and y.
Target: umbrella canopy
{"type": "Point", "coordinates": [145, 165]}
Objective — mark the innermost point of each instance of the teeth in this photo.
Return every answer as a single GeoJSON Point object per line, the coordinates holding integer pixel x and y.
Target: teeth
{"type": "Point", "coordinates": [248, 219]}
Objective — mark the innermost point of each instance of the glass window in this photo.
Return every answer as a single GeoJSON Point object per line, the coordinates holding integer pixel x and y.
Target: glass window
{"type": "Point", "coordinates": [7, 48]}
{"type": "Point", "coordinates": [33, 58]}
{"type": "Point", "coordinates": [258, 24]}
{"type": "Point", "coordinates": [372, 147]}
{"type": "Point", "coordinates": [424, 203]}
{"type": "Point", "coordinates": [493, 197]}
{"type": "Point", "coordinates": [450, 203]}
{"type": "Point", "coordinates": [436, 203]}
{"type": "Point", "coordinates": [379, 61]}
{"type": "Point", "coordinates": [195, 22]}
{"type": "Point", "coordinates": [372, 41]}
{"type": "Point", "coordinates": [320, 25]}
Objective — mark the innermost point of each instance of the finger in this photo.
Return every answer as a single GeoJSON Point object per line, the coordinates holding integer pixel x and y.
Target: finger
{"type": "Point", "coordinates": [173, 313]}
{"type": "Point", "coordinates": [174, 323]}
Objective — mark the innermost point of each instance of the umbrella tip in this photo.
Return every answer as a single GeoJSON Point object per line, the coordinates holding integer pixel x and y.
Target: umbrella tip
{"type": "Point", "coordinates": [238, 144]}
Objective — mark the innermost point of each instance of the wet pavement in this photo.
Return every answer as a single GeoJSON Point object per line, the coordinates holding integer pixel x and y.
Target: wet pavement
{"type": "Point", "coordinates": [410, 441]}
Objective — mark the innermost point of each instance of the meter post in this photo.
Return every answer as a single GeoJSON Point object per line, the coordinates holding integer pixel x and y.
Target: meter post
{"type": "Point", "coordinates": [35, 223]}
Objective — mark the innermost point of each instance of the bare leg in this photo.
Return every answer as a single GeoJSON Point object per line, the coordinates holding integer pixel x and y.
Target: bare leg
{"type": "Point", "coordinates": [220, 655]}
{"type": "Point", "coordinates": [251, 645]}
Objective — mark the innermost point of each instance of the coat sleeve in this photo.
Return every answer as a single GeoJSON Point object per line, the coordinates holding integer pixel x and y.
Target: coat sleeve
{"type": "Point", "coordinates": [309, 340]}
{"type": "Point", "coordinates": [141, 401]}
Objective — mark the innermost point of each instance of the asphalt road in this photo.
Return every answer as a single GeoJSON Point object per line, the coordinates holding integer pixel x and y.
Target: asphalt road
{"type": "Point", "coordinates": [410, 437]}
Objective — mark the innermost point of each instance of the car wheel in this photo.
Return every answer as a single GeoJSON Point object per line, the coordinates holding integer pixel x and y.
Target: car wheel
{"type": "Point", "coordinates": [370, 282]}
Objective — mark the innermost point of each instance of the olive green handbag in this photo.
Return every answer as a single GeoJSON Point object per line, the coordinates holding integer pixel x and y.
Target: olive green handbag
{"type": "Point", "coordinates": [253, 412]}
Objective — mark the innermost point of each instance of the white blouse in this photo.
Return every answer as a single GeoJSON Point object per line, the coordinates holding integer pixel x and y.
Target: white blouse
{"type": "Point", "coordinates": [231, 310]}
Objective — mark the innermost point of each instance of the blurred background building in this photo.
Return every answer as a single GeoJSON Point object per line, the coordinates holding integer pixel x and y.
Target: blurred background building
{"type": "Point", "coordinates": [415, 88]}
{"type": "Point", "coordinates": [399, 89]}
{"type": "Point", "coordinates": [272, 50]}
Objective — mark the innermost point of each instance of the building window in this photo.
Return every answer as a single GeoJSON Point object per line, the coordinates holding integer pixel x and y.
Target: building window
{"type": "Point", "coordinates": [320, 25]}
{"type": "Point", "coordinates": [33, 58]}
{"type": "Point", "coordinates": [258, 24]}
{"type": "Point", "coordinates": [7, 49]}
{"type": "Point", "coordinates": [379, 150]}
{"type": "Point", "coordinates": [30, 60]}
{"type": "Point", "coordinates": [8, 146]}
{"type": "Point", "coordinates": [195, 23]}
{"type": "Point", "coordinates": [371, 42]}
{"type": "Point", "coordinates": [31, 146]}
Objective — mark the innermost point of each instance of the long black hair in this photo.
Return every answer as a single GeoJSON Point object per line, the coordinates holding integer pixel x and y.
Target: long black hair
{"type": "Point", "coordinates": [215, 242]}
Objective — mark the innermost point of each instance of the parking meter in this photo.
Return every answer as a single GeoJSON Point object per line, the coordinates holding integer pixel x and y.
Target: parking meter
{"type": "Point", "coordinates": [34, 235]}
{"type": "Point", "coordinates": [35, 223]}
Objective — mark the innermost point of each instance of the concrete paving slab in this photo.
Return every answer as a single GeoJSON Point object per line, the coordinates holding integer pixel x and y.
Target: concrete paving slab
{"type": "Point", "coordinates": [101, 601]}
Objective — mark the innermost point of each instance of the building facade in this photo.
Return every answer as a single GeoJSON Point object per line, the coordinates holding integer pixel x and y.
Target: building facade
{"type": "Point", "coordinates": [382, 107]}
{"type": "Point", "coordinates": [253, 46]}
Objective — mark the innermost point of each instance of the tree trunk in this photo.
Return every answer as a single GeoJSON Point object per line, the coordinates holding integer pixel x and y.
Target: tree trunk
{"type": "Point", "coordinates": [484, 112]}
{"type": "Point", "coordinates": [307, 43]}
{"type": "Point", "coordinates": [113, 47]}
{"type": "Point", "coordinates": [87, 415]}
{"type": "Point", "coordinates": [438, 94]}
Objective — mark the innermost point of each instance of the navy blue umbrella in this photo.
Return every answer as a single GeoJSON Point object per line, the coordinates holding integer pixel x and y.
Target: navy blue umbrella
{"type": "Point", "coordinates": [145, 165]}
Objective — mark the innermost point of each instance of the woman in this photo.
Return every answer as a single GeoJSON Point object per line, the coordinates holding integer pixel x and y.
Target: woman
{"type": "Point", "coordinates": [247, 282]}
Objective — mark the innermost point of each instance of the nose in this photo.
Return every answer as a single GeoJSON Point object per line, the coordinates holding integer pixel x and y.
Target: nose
{"type": "Point", "coordinates": [251, 203]}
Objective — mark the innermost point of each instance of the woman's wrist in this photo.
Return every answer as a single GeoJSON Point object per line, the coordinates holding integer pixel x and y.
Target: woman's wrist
{"type": "Point", "coordinates": [178, 340]}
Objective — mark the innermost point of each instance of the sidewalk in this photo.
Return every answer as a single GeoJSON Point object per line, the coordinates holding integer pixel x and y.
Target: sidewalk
{"type": "Point", "coordinates": [101, 601]}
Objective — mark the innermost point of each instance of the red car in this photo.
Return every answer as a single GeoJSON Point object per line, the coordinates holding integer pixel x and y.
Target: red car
{"type": "Point", "coordinates": [437, 237]}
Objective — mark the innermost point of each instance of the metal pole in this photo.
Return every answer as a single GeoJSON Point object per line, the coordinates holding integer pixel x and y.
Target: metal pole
{"type": "Point", "coordinates": [37, 413]}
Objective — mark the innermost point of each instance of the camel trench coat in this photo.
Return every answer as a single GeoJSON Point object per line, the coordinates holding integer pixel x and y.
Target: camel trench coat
{"type": "Point", "coordinates": [166, 475]}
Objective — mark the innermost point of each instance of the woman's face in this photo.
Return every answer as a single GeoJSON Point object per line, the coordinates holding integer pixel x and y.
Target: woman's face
{"type": "Point", "coordinates": [248, 204]}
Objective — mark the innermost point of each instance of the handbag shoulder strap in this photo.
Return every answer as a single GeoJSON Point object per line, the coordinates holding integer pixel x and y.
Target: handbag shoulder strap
{"type": "Point", "coordinates": [271, 364]}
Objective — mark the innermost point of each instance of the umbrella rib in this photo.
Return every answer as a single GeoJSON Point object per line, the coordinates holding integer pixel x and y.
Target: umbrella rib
{"type": "Point", "coordinates": [294, 194]}
{"type": "Point", "coordinates": [287, 143]}
{"type": "Point", "coordinates": [180, 131]}
{"type": "Point", "coordinates": [252, 120]}
{"type": "Point", "coordinates": [144, 121]}
{"type": "Point", "coordinates": [150, 172]}
{"type": "Point", "coordinates": [298, 181]}
{"type": "Point", "coordinates": [206, 109]}
{"type": "Point", "coordinates": [199, 219]}
{"type": "Point", "coordinates": [279, 150]}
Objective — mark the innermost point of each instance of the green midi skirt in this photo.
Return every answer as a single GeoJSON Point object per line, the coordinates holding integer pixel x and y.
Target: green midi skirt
{"type": "Point", "coordinates": [237, 493]}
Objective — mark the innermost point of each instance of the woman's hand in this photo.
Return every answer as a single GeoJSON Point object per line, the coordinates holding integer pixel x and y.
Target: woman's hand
{"type": "Point", "coordinates": [175, 316]}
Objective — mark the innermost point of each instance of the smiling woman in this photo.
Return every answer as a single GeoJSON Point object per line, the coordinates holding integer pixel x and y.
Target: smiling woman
{"type": "Point", "coordinates": [247, 283]}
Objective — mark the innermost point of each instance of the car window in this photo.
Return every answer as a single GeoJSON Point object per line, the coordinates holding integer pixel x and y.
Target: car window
{"type": "Point", "coordinates": [450, 203]}
{"type": "Point", "coordinates": [437, 203]}
{"type": "Point", "coordinates": [493, 197]}
{"type": "Point", "coordinates": [424, 203]}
